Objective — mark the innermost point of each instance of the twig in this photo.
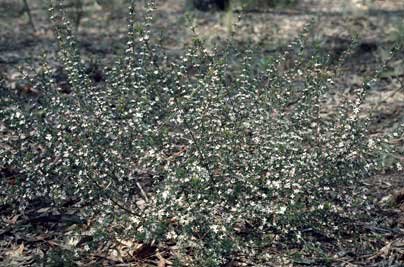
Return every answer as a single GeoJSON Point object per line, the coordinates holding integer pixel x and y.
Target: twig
{"type": "Point", "coordinates": [28, 10]}
{"type": "Point", "coordinates": [142, 191]}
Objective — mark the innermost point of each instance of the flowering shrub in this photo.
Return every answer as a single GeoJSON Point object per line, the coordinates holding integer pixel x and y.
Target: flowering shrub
{"type": "Point", "coordinates": [197, 150]}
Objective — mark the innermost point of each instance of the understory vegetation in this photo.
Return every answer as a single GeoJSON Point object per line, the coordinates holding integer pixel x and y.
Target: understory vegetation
{"type": "Point", "coordinates": [217, 152]}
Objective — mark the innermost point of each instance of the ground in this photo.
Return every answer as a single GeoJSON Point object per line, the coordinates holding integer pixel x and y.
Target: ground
{"type": "Point", "coordinates": [378, 25]}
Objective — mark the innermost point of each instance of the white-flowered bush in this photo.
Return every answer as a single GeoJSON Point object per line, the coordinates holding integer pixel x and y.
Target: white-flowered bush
{"type": "Point", "coordinates": [211, 151]}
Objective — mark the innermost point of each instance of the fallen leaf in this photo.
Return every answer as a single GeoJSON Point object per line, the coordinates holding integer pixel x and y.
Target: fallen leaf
{"type": "Point", "coordinates": [383, 252]}
{"type": "Point", "coordinates": [17, 252]}
{"type": "Point", "coordinates": [162, 261]}
{"type": "Point", "coordinates": [13, 220]}
{"type": "Point", "coordinates": [20, 249]}
{"type": "Point", "coordinates": [43, 210]}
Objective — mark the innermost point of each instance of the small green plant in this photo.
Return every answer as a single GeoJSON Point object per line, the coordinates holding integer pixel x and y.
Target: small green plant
{"type": "Point", "coordinates": [59, 258]}
{"type": "Point", "coordinates": [191, 150]}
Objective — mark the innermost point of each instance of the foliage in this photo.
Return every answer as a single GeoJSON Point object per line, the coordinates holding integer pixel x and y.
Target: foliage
{"type": "Point", "coordinates": [59, 258]}
{"type": "Point", "coordinates": [215, 158]}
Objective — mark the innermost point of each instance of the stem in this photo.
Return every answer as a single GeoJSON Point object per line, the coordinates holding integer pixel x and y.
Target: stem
{"type": "Point", "coordinates": [28, 10]}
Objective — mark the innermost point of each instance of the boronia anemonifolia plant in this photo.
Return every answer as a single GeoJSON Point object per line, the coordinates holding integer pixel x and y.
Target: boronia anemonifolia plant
{"type": "Point", "coordinates": [215, 157]}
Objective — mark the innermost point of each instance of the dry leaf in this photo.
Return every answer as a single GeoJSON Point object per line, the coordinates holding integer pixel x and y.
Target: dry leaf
{"type": "Point", "coordinates": [115, 256]}
{"type": "Point", "coordinates": [43, 210]}
{"type": "Point", "coordinates": [162, 261]}
{"type": "Point", "coordinates": [383, 252]}
{"type": "Point", "coordinates": [20, 249]}
{"type": "Point", "coordinates": [13, 220]}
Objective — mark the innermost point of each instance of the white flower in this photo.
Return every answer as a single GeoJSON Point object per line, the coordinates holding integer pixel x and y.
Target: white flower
{"type": "Point", "coordinates": [371, 143]}
{"type": "Point", "coordinates": [214, 228]}
{"type": "Point", "coordinates": [165, 194]}
{"type": "Point", "coordinates": [171, 235]}
{"type": "Point", "coordinates": [292, 172]}
{"type": "Point", "coordinates": [282, 210]}
{"type": "Point", "coordinates": [399, 167]}
{"type": "Point", "coordinates": [48, 137]}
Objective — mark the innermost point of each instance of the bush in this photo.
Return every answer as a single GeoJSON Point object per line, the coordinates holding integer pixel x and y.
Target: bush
{"type": "Point", "coordinates": [195, 151]}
